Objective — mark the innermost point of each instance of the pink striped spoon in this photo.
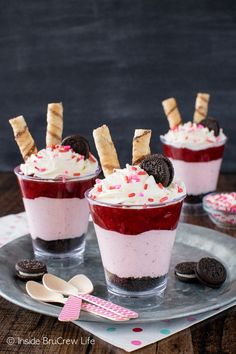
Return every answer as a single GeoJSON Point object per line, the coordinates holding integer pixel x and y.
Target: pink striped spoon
{"type": "Point", "coordinates": [54, 283]}
{"type": "Point", "coordinates": [72, 309]}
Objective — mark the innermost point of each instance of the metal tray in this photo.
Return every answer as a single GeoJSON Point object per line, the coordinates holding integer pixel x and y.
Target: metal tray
{"type": "Point", "coordinates": [181, 299]}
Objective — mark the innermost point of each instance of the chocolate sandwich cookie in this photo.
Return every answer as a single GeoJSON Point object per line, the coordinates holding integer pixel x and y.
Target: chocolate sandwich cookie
{"type": "Point", "coordinates": [185, 271]}
{"type": "Point", "coordinates": [79, 144]}
{"type": "Point", "coordinates": [211, 124]}
{"type": "Point", "coordinates": [160, 167]}
{"type": "Point", "coordinates": [30, 269]}
{"type": "Point", "coordinates": [211, 272]}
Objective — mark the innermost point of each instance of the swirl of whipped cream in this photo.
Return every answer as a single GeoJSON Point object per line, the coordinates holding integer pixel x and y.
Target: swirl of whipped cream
{"type": "Point", "coordinates": [132, 185]}
{"type": "Point", "coordinates": [193, 136]}
{"type": "Point", "coordinates": [58, 161]}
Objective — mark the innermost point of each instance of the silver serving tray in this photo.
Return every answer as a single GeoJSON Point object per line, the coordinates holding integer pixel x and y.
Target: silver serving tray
{"type": "Point", "coordinates": [181, 299]}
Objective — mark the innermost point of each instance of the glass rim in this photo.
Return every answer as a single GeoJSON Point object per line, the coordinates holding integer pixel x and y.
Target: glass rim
{"type": "Point", "coordinates": [132, 206]}
{"type": "Point", "coordinates": [63, 179]}
{"type": "Point", "coordinates": [219, 143]}
{"type": "Point", "coordinates": [210, 209]}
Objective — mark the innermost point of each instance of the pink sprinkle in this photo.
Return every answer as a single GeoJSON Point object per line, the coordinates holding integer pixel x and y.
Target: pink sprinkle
{"type": "Point", "coordinates": [145, 186]}
{"type": "Point", "coordinates": [67, 147]}
{"type": "Point", "coordinates": [180, 190]}
{"type": "Point", "coordinates": [162, 200]}
{"type": "Point", "coordinates": [131, 195]}
{"type": "Point", "coordinates": [118, 186]}
{"type": "Point", "coordinates": [127, 179]}
{"type": "Point", "coordinates": [142, 173]}
{"type": "Point", "coordinates": [141, 195]}
{"type": "Point", "coordinates": [66, 172]}
{"type": "Point", "coordinates": [135, 178]}
{"type": "Point", "coordinates": [150, 200]}
{"type": "Point", "coordinates": [134, 168]}
{"type": "Point", "coordinates": [160, 185]}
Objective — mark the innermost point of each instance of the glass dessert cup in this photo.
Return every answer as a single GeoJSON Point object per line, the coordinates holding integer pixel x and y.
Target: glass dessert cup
{"type": "Point", "coordinates": [135, 243]}
{"type": "Point", "coordinates": [57, 214]}
{"type": "Point", "coordinates": [198, 169]}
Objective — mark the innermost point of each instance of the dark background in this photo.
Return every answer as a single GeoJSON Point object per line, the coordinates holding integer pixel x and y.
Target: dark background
{"type": "Point", "coordinates": [113, 62]}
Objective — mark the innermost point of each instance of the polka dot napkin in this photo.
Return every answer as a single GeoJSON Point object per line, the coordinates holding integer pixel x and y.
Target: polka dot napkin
{"type": "Point", "coordinates": [130, 336]}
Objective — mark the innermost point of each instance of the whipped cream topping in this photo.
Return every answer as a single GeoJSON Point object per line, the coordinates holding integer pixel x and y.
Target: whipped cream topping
{"type": "Point", "coordinates": [58, 161]}
{"type": "Point", "coordinates": [132, 185]}
{"type": "Point", "coordinates": [193, 136]}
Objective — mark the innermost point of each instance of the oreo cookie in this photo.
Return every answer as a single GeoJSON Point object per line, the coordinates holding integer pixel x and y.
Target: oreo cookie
{"type": "Point", "coordinates": [211, 272]}
{"type": "Point", "coordinates": [186, 271]}
{"type": "Point", "coordinates": [79, 144]}
{"type": "Point", "coordinates": [30, 269]}
{"type": "Point", "coordinates": [160, 167]}
{"type": "Point", "coordinates": [211, 124]}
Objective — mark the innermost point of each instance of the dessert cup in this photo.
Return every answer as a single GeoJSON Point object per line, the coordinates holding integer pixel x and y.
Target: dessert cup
{"type": "Point", "coordinates": [135, 243]}
{"type": "Point", "coordinates": [57, 214]}
{"type": "Point", "coordinates": [198, 169]}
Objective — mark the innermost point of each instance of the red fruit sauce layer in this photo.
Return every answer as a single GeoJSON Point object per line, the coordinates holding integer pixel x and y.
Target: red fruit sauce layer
{"type": "Point", "coordinates": [35, 189]}
{"type": "Point", "coordinates": [134, 221]}
{"type": "Point", "coordinates": [205, 155]}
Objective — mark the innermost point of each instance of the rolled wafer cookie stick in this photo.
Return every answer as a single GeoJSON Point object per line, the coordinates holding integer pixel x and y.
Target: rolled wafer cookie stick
{"type": "Point", "coordinates": [201, 107]}
{"type": "Point", "coordinates": [172, 112]}
{"type": "Point", "coordinates": [141, 144]}
{"type": "Point", "coordinates": [106, 150]}
{"type": "Point", "coordinates": [54, 124]}
{"type": "Point", "coordinates": [23, 137]}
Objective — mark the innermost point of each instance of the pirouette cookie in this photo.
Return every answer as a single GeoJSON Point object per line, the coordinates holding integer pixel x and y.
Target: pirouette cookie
{"type": "Point", "coordinates": [54, 124]}
{"type": "Point", "coordinates": [201, 107]}
{"type": "Point", "coordinates": [141, 145]}
{"type": "Point", "coordinates": [106, 150]}
{"type": "Point", "coordinates": [172, 113]}
{"type": "Point", "coordinates": [23, 137]}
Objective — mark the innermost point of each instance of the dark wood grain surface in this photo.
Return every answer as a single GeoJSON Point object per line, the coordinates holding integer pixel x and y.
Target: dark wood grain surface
{"type": "Point", "coordinates": [215, 335]}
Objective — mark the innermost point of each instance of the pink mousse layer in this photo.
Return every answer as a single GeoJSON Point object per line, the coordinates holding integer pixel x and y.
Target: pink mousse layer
{"type": "Point", "coordinates": [145, 254]}
{"type": "Point", "coordinates": [53, 218]}
{"type": "Point", "coordinates": [199, 177]}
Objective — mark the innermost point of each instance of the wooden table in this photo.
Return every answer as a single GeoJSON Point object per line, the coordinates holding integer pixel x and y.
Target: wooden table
{"type": "Point", "coordinates": [215, 335]}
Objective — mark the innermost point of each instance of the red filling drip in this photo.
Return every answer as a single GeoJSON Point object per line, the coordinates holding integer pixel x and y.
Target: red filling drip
{"type": "Point", "coordinates": [134, 221]}
{"type": "Point", "coordinates": [34, 189]}
{"type": "Point", "coordinates": [205, 155]}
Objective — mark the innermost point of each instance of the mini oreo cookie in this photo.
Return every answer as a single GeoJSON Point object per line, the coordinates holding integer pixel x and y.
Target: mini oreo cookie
{"type": "Point", "coordinates": [185, 271]}
{"type": "Point", "coordinates": [211, 272]}
{"type": "Point", "coordinates": [211, 124]}
{"type": "Point", "coordinates": [79, 144]}
{"type": "Point", "coordinates": [30, 269]}
{"type": "Point", "coordinates": [160, 167]}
